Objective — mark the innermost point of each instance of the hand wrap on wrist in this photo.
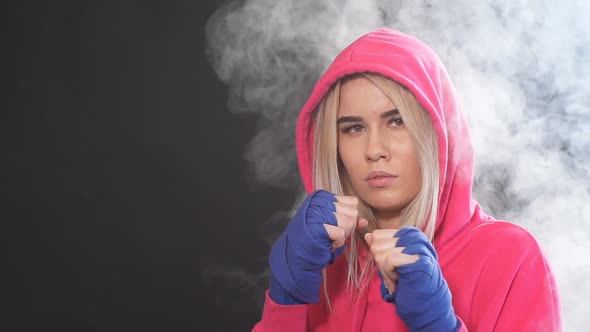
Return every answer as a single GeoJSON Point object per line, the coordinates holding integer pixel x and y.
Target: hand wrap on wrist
{"type": "Point", "coordinates": [297, 258]}
{"type": "Point", "coordinates": [422, 297]}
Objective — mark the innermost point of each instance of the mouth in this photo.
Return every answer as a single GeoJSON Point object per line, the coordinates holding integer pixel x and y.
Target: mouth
{"type": "Point", "coordinates": [378, 174]}
{"type": "Point", "coordinates": [379, 179]}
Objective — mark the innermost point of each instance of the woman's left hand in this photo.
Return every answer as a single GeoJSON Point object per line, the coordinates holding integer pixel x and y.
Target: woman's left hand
{"type": "Point", "coordinates": [407, 260]}
{"type": "Point", "coordinates": [387, 256]}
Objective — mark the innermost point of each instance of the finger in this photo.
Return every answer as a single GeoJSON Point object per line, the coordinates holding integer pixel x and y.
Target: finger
{"type": "Point", "coordinates": [397, 259]}
{"type": "Point", "coordinates": [347, 210]}
{"type": "Point", "coordinates": [381, 245]}
{"type": "Point", "coordinates": [389, 283]}
{"type": "Point", "coordinates": [388, 275]}
{"type": "Point", "coordinates": [384, 233]}
{"type": "Point", "coordinates": [369, 238]}
{"type": "Point", "coordinates": [393, 276]}
{"type": "Point", "coordinates": [347, 200]}
{"type": "Point", "coordinates": [349, 224]}
{"type": "Point", "coordinates": [362, 223]}
{"type": "Point", "coordinates": [336, 234]}
{"type": "Point", "coordinates": [386, 259]}
{"type": "Point", "coordinates": [392, 287]}
{"type": "Point", "coordinates": [346, 223]}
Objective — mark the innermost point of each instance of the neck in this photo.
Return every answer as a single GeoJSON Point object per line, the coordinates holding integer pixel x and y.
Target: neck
{"type": "Point", "coordinates": [389, 221]}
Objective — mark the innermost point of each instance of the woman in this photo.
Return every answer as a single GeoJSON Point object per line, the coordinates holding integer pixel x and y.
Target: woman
{"type": "Point", "coordinates": [389, 237]}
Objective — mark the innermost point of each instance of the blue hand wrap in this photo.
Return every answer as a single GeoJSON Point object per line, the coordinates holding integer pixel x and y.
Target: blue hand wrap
{"type": "Point", "coordinates": [422, 297]}
{"type": "Point", "coordinates": [297, 258]}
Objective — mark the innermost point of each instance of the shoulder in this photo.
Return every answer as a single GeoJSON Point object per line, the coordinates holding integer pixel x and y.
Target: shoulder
{"type": "Point", "coordinates": [505, 237]}
{"type": "Point", "coordinates": [496, 253]}
{"type": "Point", "coordinates": [502, 227]}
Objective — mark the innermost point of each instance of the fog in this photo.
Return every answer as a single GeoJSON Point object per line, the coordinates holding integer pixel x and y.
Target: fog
{"type": "Point", "coordinates": [522, 71]}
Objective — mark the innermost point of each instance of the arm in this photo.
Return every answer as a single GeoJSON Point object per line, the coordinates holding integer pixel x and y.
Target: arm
{"type": "Point", "coordinates": [296, 260]}
{"type": "Point", "coordinates": [312, 240]}
{"type": "Point", "coordinates": [279, 317]}
{"type": "Point", "coordinates": [412, 280]}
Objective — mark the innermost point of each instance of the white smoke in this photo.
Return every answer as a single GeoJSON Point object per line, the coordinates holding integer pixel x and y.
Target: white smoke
{"type": "Point", "coordinates": [522, 69]}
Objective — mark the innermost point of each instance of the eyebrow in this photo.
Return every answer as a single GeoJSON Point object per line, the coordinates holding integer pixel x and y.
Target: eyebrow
{"type": "Point", "coordinates": [358, 118]}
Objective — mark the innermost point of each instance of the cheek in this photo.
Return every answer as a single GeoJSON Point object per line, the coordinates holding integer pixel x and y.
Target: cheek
{"type": "Point", "coordinates": [346, 162]}
{"type": "Point", "coordinates": [412, 167]}
{"type": "Point", "coordinates": [351, 156]}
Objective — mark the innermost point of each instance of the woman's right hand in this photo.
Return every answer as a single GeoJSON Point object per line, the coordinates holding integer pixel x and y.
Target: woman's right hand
{"type": "Point", "coordinates": [347, 221]}
{"type": "Point", "coordinates": [312, 240]}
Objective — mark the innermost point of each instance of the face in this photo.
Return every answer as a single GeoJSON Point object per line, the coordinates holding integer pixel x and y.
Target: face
{"type": "Point", "coordinates": [376, 148]}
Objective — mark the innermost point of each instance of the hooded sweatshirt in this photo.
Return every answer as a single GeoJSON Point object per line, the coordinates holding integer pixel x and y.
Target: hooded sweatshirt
{"type": "Point", "coordinates": [496, 271]}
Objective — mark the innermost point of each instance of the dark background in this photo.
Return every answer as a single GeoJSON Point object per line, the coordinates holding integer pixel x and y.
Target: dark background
{"type": "Point", "coordinates": [125, 174]}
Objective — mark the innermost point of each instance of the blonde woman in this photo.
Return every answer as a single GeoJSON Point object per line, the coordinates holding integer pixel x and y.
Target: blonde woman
{"type": "Point", "coordinates": [388, 237]}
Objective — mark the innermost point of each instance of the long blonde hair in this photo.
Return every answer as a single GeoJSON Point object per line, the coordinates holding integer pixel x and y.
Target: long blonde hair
{"type": "Point", "coordinates": [330, 174]}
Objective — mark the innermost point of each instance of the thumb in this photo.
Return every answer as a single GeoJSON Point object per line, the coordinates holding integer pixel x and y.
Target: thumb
{"type": "Point", "coordinates": [369, 238]}
{"type": "Point", "coordinates": [362, 223]}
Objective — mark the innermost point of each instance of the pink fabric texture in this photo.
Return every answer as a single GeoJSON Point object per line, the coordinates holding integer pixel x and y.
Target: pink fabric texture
{"type": "Point", "coordinates": [497, 272]}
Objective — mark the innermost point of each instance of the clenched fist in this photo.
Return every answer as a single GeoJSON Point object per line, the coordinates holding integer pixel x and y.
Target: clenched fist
{"type": "Point", "coordinates": [347, 221]}
{"type": "Point", "coordinates": [313, 239]}
{"type": "Point", "coordinates": [408, 266]}
{"type": "Point", "coordinates": [387, 255]}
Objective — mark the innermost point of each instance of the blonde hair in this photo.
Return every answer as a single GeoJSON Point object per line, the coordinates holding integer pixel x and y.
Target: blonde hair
{"type": "Point", "coordinates": [330, 174]}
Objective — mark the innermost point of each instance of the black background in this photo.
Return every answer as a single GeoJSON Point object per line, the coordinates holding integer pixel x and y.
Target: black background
{"type": "Point", "coordinates": [125, 173]}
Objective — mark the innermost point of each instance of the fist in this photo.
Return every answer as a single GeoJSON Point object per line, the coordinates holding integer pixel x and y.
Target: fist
{"type": "Point", "coordinates": [347, 220]}
{"type": "Point", "coordinates": [388, 257]}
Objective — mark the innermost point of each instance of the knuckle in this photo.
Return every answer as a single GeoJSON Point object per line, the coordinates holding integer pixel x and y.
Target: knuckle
{"type": "Point", "coordinates": [344, 221]}
{"type": "Point", "coordinates": [378, 261]}
{"type": "Point", "coordinates": [340, 233]}
{"type": "Point", "coordinates": [338, 206]}
{"type": "Point", "coordinates": [391, 258]}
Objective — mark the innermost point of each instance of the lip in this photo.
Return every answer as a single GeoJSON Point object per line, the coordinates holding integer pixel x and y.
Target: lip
{"type": "Point", "coordinates": [379, 178]}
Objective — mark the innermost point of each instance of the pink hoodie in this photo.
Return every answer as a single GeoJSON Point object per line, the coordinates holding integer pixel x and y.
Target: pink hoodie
{"type": "Point", "coordinates": [496, 271]}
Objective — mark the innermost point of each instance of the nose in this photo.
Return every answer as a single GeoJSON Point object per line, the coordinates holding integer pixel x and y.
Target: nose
{"type": "Point", "coordinates": [376, 148]}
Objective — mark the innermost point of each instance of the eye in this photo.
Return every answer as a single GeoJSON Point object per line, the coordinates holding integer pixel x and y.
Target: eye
{"type": "Point", "coordinates": [355, 128]}
{"type": "Point", "coordinates": [396, 122]}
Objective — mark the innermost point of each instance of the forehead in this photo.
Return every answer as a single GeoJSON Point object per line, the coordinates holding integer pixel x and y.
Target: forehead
{"type": "Point", "coordinates": [360, 96]}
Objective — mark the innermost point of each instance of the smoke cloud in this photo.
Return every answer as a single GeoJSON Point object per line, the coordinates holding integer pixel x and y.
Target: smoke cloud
{"type": "Point", "coordinates": [521, 68]}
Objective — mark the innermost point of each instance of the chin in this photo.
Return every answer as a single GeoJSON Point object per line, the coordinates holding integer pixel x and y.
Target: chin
{"type": "Point", "coordinates": [385, 201]}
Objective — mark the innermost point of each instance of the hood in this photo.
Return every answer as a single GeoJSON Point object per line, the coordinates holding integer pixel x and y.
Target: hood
{"type": "Point", "coordinates": [413, 64]}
